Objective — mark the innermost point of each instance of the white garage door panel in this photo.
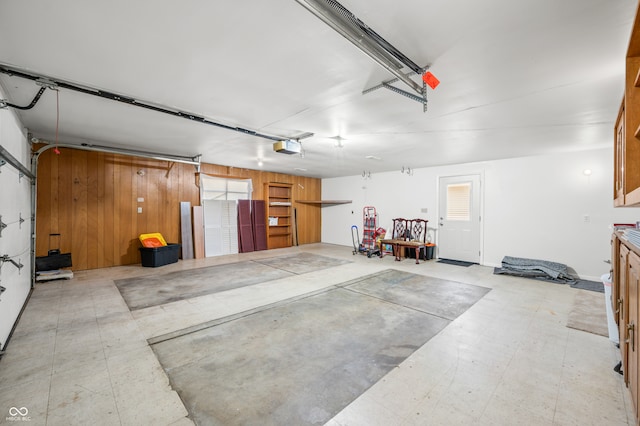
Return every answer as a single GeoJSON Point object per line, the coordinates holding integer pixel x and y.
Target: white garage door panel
{"type": "Point", "coordinates": [15, 242]}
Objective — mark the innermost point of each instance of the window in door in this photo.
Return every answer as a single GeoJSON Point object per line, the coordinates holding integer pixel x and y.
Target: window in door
{"type": "Point", "coordinates": [459, 202]}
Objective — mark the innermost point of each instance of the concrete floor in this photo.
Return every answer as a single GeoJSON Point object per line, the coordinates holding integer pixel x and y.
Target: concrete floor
{"type": "Point", "coordinates": [302, 361]}
{"type": "Point", "coordinates": [80, 356]}
{"type": "Point", "coordinates": [161, 289]}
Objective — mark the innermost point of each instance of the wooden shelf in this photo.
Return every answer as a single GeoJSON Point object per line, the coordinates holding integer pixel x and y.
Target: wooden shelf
{"type": "Point", "coordinates": [323, 203]}
{"type": "Point", "coordinates": [278, 205]}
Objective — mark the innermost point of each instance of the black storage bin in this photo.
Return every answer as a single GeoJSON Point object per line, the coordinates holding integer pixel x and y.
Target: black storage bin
{"type": "Point", "coordinates": [425, 254]}
{"type": "Point", "coordinates": [159, 256]}
{"type": "Point", "coordinates": [430, 251]}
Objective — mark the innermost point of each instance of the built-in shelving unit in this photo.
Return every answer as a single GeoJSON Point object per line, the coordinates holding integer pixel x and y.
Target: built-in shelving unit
{"type": "Point", "coordinates": [625, 255]}
{"type": "Point", "coordinates": [278, 214]}
{"type": "Point", "coordinates": [627, 129]}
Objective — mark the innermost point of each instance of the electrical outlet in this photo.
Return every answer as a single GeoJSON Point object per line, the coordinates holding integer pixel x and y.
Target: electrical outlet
{"type": "Point", "coordinates": [139, 209]}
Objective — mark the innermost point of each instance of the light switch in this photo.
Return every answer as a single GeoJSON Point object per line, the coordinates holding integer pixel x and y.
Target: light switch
{"type": "Point", "coordinates": [140, 200]}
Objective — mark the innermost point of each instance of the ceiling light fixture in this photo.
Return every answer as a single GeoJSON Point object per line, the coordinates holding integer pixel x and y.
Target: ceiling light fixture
{"type": "Point", "coordinates": [339, 141]}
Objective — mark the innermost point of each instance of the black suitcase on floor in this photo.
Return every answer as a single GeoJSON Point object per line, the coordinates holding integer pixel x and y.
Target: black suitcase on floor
{"type": "Point", "coordinates": [54, 259]}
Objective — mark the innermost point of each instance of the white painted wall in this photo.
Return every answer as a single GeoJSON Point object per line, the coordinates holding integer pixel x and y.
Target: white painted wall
{"type": "Point", "coordinates": [534, 207]}
{"type": "Point", "coordinates": [15, 199]}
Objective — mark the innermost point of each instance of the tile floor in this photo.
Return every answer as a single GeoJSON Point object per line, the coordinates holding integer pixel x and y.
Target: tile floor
{"type": "Point", "coordinates": [80, 357]}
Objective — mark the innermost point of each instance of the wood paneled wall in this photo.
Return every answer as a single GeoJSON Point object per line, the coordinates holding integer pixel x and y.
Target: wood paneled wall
{"type": "Point", "coordinates": [91, 200]}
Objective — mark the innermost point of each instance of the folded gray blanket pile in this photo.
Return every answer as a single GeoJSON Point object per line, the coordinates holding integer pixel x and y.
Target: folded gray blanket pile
{"type": "Point", "coordinates": [534, 268]}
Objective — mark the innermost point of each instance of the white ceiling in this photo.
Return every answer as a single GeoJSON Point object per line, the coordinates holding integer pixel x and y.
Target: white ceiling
{"type": "Point", "coordinates": [518, 78]}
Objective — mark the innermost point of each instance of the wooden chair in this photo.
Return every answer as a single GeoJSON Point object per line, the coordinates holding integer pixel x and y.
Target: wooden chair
{"type": "Point", "coordinates": [408, 234]}
{"type": "Point", "coordinates": [399, 231]}
{"type": "Point", "coordinates": [418, 230]}
{"type": "Point", "coordinates": [397, 234]}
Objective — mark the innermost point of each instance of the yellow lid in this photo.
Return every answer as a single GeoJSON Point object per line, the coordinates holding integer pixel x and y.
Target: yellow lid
{"type": "Point", "coordinates": [152, 240]}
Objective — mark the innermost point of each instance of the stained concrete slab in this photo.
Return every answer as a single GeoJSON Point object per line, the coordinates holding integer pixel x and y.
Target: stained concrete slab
{"type": "Point", "coordinates": [301, 362]}
{"type": "Point", "coordinates": [143, 292]}
{"type": "Point", "coordinates": [444, 298]}
{"type": "Point", "coordinates": [302, 263]}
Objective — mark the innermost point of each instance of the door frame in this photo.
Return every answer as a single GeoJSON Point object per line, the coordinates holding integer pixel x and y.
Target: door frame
{"type": "Point", "coordinates": [481, 178]}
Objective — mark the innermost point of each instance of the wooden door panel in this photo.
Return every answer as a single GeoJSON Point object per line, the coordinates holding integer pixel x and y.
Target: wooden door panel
{"type": "Point", "coordinates": [632, 328]}
{"type": "Point", "coordinates": [623, 310]}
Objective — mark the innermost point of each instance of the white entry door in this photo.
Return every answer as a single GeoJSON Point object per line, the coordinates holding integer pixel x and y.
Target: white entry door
{"type": "Point", "coordinates": [459, 218]}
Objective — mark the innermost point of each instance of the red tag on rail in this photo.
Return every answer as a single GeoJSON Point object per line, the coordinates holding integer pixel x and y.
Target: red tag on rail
{"type": "Point", "coordinates": [430, 79]}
